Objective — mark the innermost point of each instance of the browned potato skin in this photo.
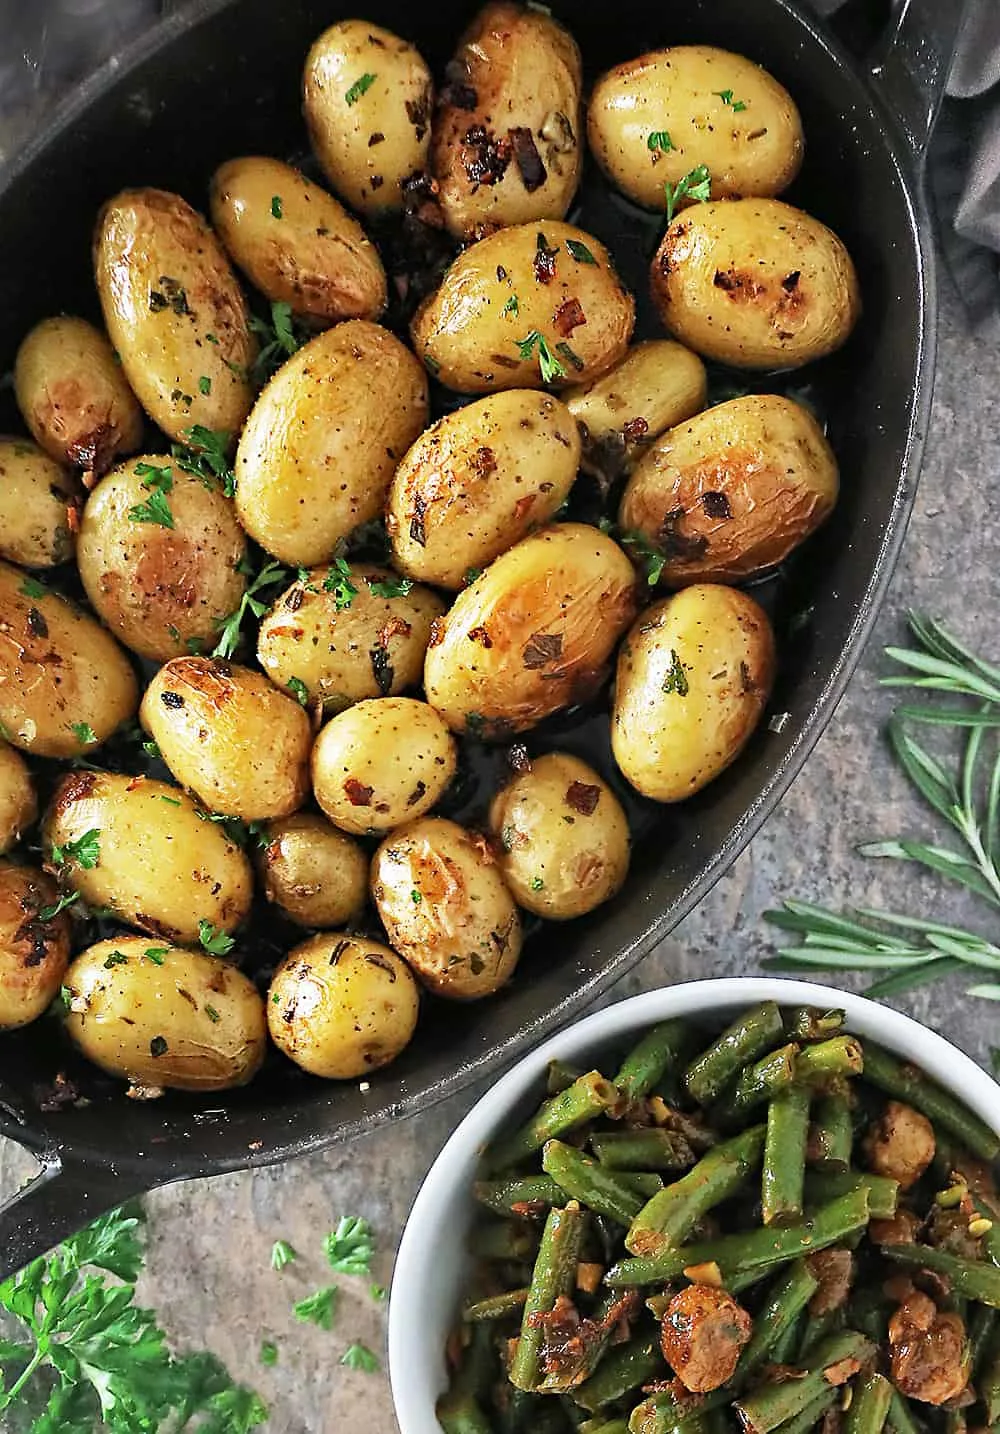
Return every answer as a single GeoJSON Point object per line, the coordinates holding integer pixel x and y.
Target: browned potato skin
{"type": "Point", "coordinates": [901, 1144]}
{"type": "Point", "coordinates": [315, 874]}
{"type": "Point", "coordinates": [73, 395]}
{"type": "Point", "coordinates": [34, 953]}
{"type": "Point", "coordinates": [733, 490]}
{"type": "Point", "coordinates": [702, 1333]}
{"type": "Point", "coordinates": [755, 283]}
{"type": "Point", "coordinates": [314, 256]}
{"type": "Point", "coordinates": [39, 506]}
{"type": "Point", "coordinates": [157, 588]}
{"type": "Point", "coordinates": [18, 803]}
{"type": "Point", "coordinates": [525, 72]}
{"type": "Point", "coordinates": [304, 636]}
{"type": "Point", "coordinates": [144, 236]}
{"type": "Point", "coordinates": [228, 735]}
{"type": "Point", "coordinates": [929, 1352]}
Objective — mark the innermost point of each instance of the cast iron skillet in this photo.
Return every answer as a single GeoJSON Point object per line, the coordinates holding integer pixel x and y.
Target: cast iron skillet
{"type": "Point", "coordinates": [223, 80]}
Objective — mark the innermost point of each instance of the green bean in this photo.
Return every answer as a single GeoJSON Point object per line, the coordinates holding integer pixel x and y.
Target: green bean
{"type": "Point", "coordinates": [870, 1405]}
{"type": "Point", "coordinates": [972, 1278]}
{"type": "Point", "coordinates": [501, 1196]}
{"type": "Point", "coordinates": [495, 1306]}
{"type": "Point", "coordinates": [982, 1333]}
{"type": "Point", "coordinates": [828, 1060]}
{"type": "Point", "coordinates": [789, 1340]}
{"type": "Point", "coordinates": [818, 1328]}
{"type": "Point", "coordinates": [783, 1170]}
{"type": "Point", "coordinates": [747, 1037]}
{"type": "Point", "coordinates": [787, 1298]}
{"type": "Point", "coordinates": [901, 1416]}
{"type": "Point", "coordinates": [587, 1097]}
{"type": "Point", "coordinates": [560, 1076]}
{"type": "Point", "coordinates": [670, 1216]}
{"type": "Point", "coordinates": [573, 1373]}
{"type": "Point", "coordinates": [653, 1149]}
{"type": "Point", "coordinates": [832, 1135]}
{"type": "Point", "coordinates": [772, 1073]}
{"type": "Point", "coordinates": [644, 1182]}
{"type": "Point", "coordinates": [459, 1413]}
{"type": "Point", "coordinates": [991, 1237]}
{"type": "Point", "coordinates": [825, 1185]}
{"type": "Point", "coordinates": [772, 1404]}
{"type": "Point", "coordinates": [869, 1314]}
{"type": "Point", "coordinates": [810, 1416]}
{"type": "Point", "coordinates": [622, 1369]}
{"type": "Point", "coordinates": [988, 1383]}
{"type": "Point", "coordinates": [504, 1240]}
{"type": "Point", "coordinates": [753, 1249]}
{"type": "Point", "coordinates": [554, 1275]}
{"type": "Point", "coordinates": [654, 1060]}
{"type": "Point", "coordinates": [584, 1180]}
{"type": "Point", "coordinates": [806, 1023]}
{"type": "Point", "coordinates": [907, 1083]}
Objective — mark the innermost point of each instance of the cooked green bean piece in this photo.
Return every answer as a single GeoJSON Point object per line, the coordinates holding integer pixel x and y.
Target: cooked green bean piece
{"type": "Point", "coordinates": [870, 1405]}
{"type": "Point", "coordinates": [666, 1221]}
{"type": "Point", "coordinates": [654, 1061]}
{"type": "Point", "coordinates": [519, 1411]}
{"type": "Point", "coordinates": [982, 1329]}
{"type": "Point", "coordinates": [574, 1372]}
{"type": "Point", "coordinates": [901, 1416]}
{"type": "Point", "coordinates": [818, 1328]}
{"type": "Point", "coordinates": [504, 1240]}
{"type": "Point", "coordinates": [584, 1180]}
{"type": "Point", "coordinates": [554, 1275]}
{"type": "Point", "coordinates": [831, 1136]}
{"type": "Point", "coordinates": [772, 1073]}
{"type": "Point", "coordinates": [807, 1023]}
{"type": "Point", "coordinates": [812, 1414]}
{"type": "Point", "coordinates": [495, 1306]}
{"type": "Point", "coordinates": [780, 1311]}
{"type": "Point", "coordinates": [741, 1043]}
{"type": "Point", "coordinates": [460, 1413]}
{"type": "Point", "coordinates": [645, 1182]}
{"type": "Point", "coordinates": [501, 1196]}
{"type": "Point", "coordinates": [622, 1369]}
{"type": "Point", "coordinates": [653, 1149]}
{"type": "Point", "coordinates": [986, 1210]}
{"type": "Point", "coordinates": [789, 1340]}
{"type": "Point", "coordinates": [825, 1185]}
{"type": "Point", "coordinates": [907, 1083]}
{"type": "Point", "coordinates": [772, 1404]}
{"type": "Point", "coordinates": [587, 1097]}
{"type": "Point", "coordinates": [784, 1166]}
{"type": "Point", "coordinates": [974, 1279]}
{"type": "Point", "coordinates": [560, 1076]}
{"type": "Point", "coordinates": [828, 1060]}
{"type": "Point", "coordinates": [868, 1312]}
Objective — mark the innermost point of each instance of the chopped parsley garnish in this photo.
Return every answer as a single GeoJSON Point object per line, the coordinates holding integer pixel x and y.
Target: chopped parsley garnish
{"type": "Point", "coordinates": [216, 943]}
{"type": "Point", "coordinates": [205, 384]}
{"type": "Point", "coordinates": [660, 140]}
{"type": "Point", "coordinates": [726, 96]}
{"type": "Point", "coordinates": [84, 733]}
{"type": "Point", "coordinates": [415, 897]}
{"type": "Point", "coordinates": [155, 509]}
{"type": "Point", "coordinates": [276, 206]}
{"type": "Point", "coordinates": [115, 958]}
{"type": "Point", "coordinates": [47, 913]}
{"type": "Point", "coordinates": [432, 364]}
{"type": "Point", "coordinates": [537, 883]}
{"type": "Point", "coordinates": [579, 252]}
{"type": "Point", "coordinates": [696, 184]}
{"type": "Point", "coordinates": [299, 690]}
{"type": "Point", "coordinates": [32, 588]}
{"type": "Point", "coordinates": [151, 749]}
{"type": "Point", "coordinates": [205, 455]}
{"type": "Point", "coordinates": [171, 801]}
{"type": "Point", "coordinates": [359, 1356]}
{"type": "Point", "coordinates": [548, 365]}
{"type": "Point", "coordinates": [268, 1353]}
{"type": "Point", "coordinates": [212, 1015]}
{"type": "Point", "coordinates": [359, 88]}
{"type": "Point", "coordinates": [379, 1292]}
{"type": "Point", "coordinates": [349, 1248]}
{"type": "Point", "coordinates": [282, 1254]}
{"type": "Point", "coordinates": [231, 627]}
{"type": "Point", "coordinates": [676, 678]}
{"type": "Point", "coordinates": [510, 307]}
{"type": "Point", "coordinates": [279, 340]}
{"type": "Point", "coordinates": [338, 582]}
{"type": "Point", "coordinates": [471, 574]}
{"type": "Point", "coordinates": [570, 357]}
{"type": "Point", "coordinates": [158, 1047]}
{"type": "Point", "coordinates": [390, 587]}
{"type": "Point", "coordinates": [155, 954]}
{"type": "Point", "coordinates": [85, 851]}
{"type": "Point", "coordinates": [654, 560]}
{"type": "Point", "coordinates": [318, 1308]}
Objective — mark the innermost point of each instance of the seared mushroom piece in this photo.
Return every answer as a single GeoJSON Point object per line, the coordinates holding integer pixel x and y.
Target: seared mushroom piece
{"type": "Point", "coordinates": [928, 1351]}
{"type": "Point", "coordinates": [899, 1229]}
{"type": "Point", "coordinates": [901, 1144]}
{"type": "Point", "coordinates": [834, 1269]}
{"type": "Point", "coordinates": [703, 1331]}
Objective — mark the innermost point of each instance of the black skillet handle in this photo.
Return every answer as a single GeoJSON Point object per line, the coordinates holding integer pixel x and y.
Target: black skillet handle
{"type": "Point", "coordinates": [910, 67]}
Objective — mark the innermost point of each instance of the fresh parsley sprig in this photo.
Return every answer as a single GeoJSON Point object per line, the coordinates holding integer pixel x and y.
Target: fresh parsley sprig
{"type": "Point", "coordinates": [231, 627]}
{"type": "Point", "coordinates": [279, 339]}
{"type": "Point", "coordinates": [652, 560]}
{"type": "Point", "coordinates": [548, 365]}
{"type": "Point", "coordinates": [350, 1248]}
{"type": "Point", "coordinates": [213, 940]}
{"type": "Point", "coordinates": [206, 455]}
{"type": "Point", "coordinates": [696, 184]}
{"type": "Point", "coordinates": [155, 509]}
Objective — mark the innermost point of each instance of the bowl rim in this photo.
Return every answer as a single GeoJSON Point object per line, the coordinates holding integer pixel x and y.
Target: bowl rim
{"type": "Point", "coordinates": [937, 1057]}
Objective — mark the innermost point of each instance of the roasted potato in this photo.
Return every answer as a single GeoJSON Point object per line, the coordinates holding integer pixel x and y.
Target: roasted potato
{"type": "Point", "coordinates": [755, 283]}
{"type": "Point", "coordinates": [73, 395]}
{"type": "Point", "coordinates": [694, 676]}
{"type": "Point", "coordinates": [18, 803]}
{"type": "Point", "coordinates": [507, 142]}
{"type": "Point", "coordinates": [446, 909]}
{"type": "Point", "coordinates": [368, 97]}
{"type": "Point", "coordinates": [654, 119]}
{"type": "Point", "coordinates": [39, 506]}
{"type": "Point", "coordinates": [147, 853]}
{"type": "Point", "coordinates": [34, 944]}
{"type": "Point", "coordinates": [313, 873]}
{"type": "Point", "coordinates": [562, 837]}
{"type": "Point", "coordinates": [733, 490]}
{"type": "Point", "coordinates": [341, 1006]}
{"type": "Point", "coordinates": [382, 763]}
{"type": "Point", "coordinates": [295, 242]}
{"type": "Point", "coordinates": [532, 634]}
{"type": "Point", "coordinates": [65, 684]}
{"type": "Point", "coordinates": [531, 305]}
{"type": "Point", "coordinates": [174, 312]}
{"type": "Point", "coordinates": [477, 481]}
{"type": "Point", "coordinates": [161, 1017]}
{"type": "Point", "coordinates": [230, 737]}
{"type": "Point", "coordinates": [319, 449]}
{"type": "Point", "coordinates": [348, 632]}
{"type": "Point", "coordinates": [161, 557]}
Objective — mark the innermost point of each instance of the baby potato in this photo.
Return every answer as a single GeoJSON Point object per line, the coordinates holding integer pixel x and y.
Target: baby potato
{"type": "Point", "coordinates": [174, 312]}
{"type": "Point", "coordinates": [319, 449]}
{"type": "Point", "coordinates": [34, 947]}
{"type": "Point", "coordinates": [348, 632]}
{"type": "Point", "coordinates": [163, 1018]}
{"type": "Point", "coordinates": [367, 98]}
{"type": "Point", "coordinates": [73, 395]}
{"type": "Point", "coordinates": [294, 242]}
{"type": "Point", "coordinates": [755, 283]}
{"type": "Point", "coordinates": [39, 506]}
{"type": "Point", "coordinates": [532, 634]}
{"type": "Point", "coordinates": [340, 1006]}
{"type": "Point", "coordinates": [446, 909]}
{"type": "Point", "coordinates": [382, 763]}
{"type": "Point", "coordinates": [733, 490]}
{"type": "Point", "coordinates": [562, 835]}
{"type": "Point", "coordinates": [528, 306]}
{"type": "Point", "coordinates": [160, 556]}
{"type": "Point", "coordinates": [694, 676]}
{"type": "Point", "coordinates": [65, 684]}
{"type": "Point", "coordinates": [654, 119]}
{"type": "Point", "coordinates": [507, 140]}
{"type": "Point", "coordinates": [144, 850]}
{"type": "Point", "coordinates": [230, 737]}
{"type": "Point", "coordinates": [476, 482]}
{"type": "Point", "coordinates": [314, 874]}
{"type": "Point", "coordinates": [18, 803]}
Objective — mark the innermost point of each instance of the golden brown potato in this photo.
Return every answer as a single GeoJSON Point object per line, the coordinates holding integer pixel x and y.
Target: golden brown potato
{"type": "Point", "coordinates": [900, 1144]}
{"type": "Point", "coordinates": [507, 143]}
{"type": "Point", "coordinates": [161, 1017]}
{"type": "Point", "coordinates": [654, 119]}
{"type": "Point", "coordinates": [531, 305]}
{"type": "Point", "coordinates": [368, 98]}
{"type": "Point", "coordinates": [160, 555]}
{"type": "Point", "coordinates": [34, 944]}
{"type": "Point", "coordinates": [320, 447]}
{"type": "Point", "coordinates": [702, 1333]}
{"type": "Point", "coordinates": [446, 909]}
{"type": "Point", "coordinates": [65, 684]}
{"type": "Point", "coordinates": [144, 850]}
{"type": "Point", "coordinates": [39, 506]}
{"type": "Point", "coordinates": [73, 395]}
{"type": "Point", "coordinates": [230, 737]}
{"type": "Point", "coordinates": [382, 763]}
{"type": "Point", "coordinates": [929, 1353]}
{"type": "Point", "coordinates": [348, 632]}
{"type": "Point", "coordinates": [18, 803]}
{"type": "Point", "coordinates": [295, 242]}
{"type": "Point", "coordinates": [755, 283]}
{"type": "Point", "coordinates": [174, 312]}
{"type": "Point", "coordinates": [477, 481]}
{"type": "Point", "coordinates": [532, 634]}
{"type": "Point", "coordinates": [733, 490]}
{"type": "Point", "coordinates": [313, 873]}
{"type": "Point", "coordinates": [340, 1006]}
{"type": "Point", "coordinates": [562, 836]}
{"type": "Point", "coordinates": [694, 676]}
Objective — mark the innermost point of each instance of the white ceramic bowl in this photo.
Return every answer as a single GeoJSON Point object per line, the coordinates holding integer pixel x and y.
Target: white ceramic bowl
{"type": "Point", "coordinates": [431, 1263]}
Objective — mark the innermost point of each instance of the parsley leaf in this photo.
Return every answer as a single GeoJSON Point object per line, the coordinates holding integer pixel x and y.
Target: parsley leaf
{"type": "Point", "coordinates": [377, 1292]}
{"type": "Point", "coordinates": [205, 455]}
{"type": "Point", "coordinates": [579, 252]}
{"type": "Point", "coordinates": [299, 690]}
{"type": "Point", "coordinates": [216, 943]}
{"type": "Point", "coordinates": [159, 480]}
{"type": "Point", "coordinates": [205, 385]}
{"type": "Point", "coordinates": [84, 733]}
{"type": "Point", "coordinates": [359, 1356]}
{"type": "Point", "coordinates": [537, 883]}
{"type": "Point", "coordinates": [549, 366]}
{"type": "Point", "coordinates": [231, 626]}
{"type": "Point", "coordinates": [338, 582]}
{"type": "Point", "coordinates": [282, 1254]}
{"type": "Point", "coordinates": [32, 588]}
{"type": "Point", "coordinates": [696, 184]}
{"type": "Point", "coordinates": [276, 206]}
{"type": "Point", "coordinates": [726, 96]}
{"type": "Point", "coordinates": [318, 1308]}
{"type": "Point", "coordinates": [280, 338]}
{"type": "Point", "coordinates": [676, 678]}
{"type": "Point", "coordinates": [654, 560]}
{"type": "Point", "coordinates": [660, 140]}
{"type": "Point", "coordinates": [510, 307]}
{"type": "Point", "coordinates": [350, 1248]}
{"type": "Point", "coordinates": [151, 749]}
{"type": "Point", "coordinates": [48, 913]}
{"type": "Point", "coordinates": [359, 88]}
{"type": "Point", "coordinates": [155, 954]}
{"type": "Point", "coordinates": [390, 587]}
{"type": "Point", "coordinates": [85, 851]}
